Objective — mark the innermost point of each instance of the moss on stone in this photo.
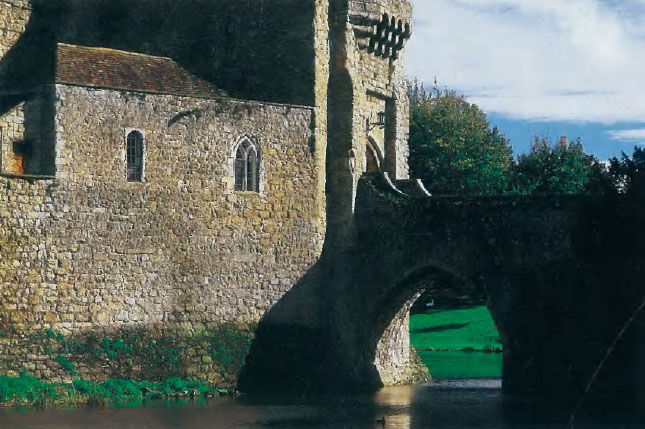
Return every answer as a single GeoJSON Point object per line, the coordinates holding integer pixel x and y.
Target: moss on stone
{"type": "Point", "coordinates": [214, 354]}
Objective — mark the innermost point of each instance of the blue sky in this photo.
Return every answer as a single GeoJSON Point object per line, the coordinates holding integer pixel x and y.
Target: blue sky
{"type": "Point", "coordinates": [540, 67]}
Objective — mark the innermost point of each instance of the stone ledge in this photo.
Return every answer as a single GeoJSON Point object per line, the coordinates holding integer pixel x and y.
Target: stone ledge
{"type": "Point", "coordinates": [31, 177]}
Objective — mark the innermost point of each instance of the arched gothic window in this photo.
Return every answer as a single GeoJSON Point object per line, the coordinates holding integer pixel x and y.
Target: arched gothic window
{"type": "Point", "coordinates": [134, 156]}
{"type": "Point", "coordinates": [247, 167]}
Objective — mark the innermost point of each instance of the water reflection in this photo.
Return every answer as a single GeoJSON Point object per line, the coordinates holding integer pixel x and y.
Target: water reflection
{"type": "Point", "coordinates": [397, 401]}
{"type": "Point", "coordinates": [453, 404]}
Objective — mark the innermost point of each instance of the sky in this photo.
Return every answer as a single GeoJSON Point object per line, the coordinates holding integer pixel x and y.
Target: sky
{"type": "Point", "coordinates": [540, 67]}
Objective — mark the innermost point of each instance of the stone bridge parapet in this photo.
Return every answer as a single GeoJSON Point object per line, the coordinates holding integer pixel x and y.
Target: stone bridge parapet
{"type": "Point", "coordinates": [555, 270]}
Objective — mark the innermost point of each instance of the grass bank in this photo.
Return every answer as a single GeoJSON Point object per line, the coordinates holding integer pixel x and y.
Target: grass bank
{"type": "Point", "coordinates": [457, 343]}
{"type": "Point", "coordinates": [26, 391]}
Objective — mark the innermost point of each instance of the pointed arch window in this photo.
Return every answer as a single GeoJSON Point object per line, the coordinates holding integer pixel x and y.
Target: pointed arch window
{"type": "Point", "coordinates": [134, 156]}
{"type": "Point", "coordinates": [247, 167]}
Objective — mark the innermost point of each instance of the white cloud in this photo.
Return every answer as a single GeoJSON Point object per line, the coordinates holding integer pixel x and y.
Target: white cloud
{"type": "Point", "coordinates": [634, 134]}
{"type": "Point", "coordinates": [581, 60]}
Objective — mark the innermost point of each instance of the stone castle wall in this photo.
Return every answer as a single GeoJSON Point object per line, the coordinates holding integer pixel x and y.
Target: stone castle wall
{"type": "Point", "coordinates": [90, 250]}
{"type": "Point", "coordinates": [12, 131]}
{"type": "Point", "coordinates": [363, 84]}
{"type": "Point", "coordinates": [252, 49]}
{"type": "Point", "coordinates": [366, 83]}
{"type": "Point", "coordinates": [88, 253]}
{"type": "Point", "coordinates": [321, 87]}
{"type": "Point", "coordinates": [26, 146]}
{"type": "Point", "coordinates": [380, 86]}
{"type": "Point", "coordinates": [14, 15]}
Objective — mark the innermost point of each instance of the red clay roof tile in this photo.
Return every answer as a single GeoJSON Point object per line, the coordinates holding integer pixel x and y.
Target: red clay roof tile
{"type": "Point", "coordinates": [114, 69]}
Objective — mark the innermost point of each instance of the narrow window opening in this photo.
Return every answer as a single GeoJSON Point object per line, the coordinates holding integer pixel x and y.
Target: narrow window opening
{"type": "Point", "coordinates": [134, 156]}
{"type": "Point", "coordinates": [247, 168]}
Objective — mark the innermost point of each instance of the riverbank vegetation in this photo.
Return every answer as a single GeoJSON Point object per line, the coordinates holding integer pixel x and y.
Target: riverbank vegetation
{"type": "Point", "coordinates": [137, 365]}
{"type": "Point", "coordinates": [26, 391]}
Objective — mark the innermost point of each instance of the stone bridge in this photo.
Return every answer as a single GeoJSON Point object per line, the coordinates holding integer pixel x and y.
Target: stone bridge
{"type": "Point", "coordinates": [562, 275]}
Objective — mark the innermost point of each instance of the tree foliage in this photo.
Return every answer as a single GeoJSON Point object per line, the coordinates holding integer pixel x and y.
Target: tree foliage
{"type": "Point", "coordinates": [563, 168]}
{"type": "Point", "coordinates": [627, 174]}
{"type": "Point", "coordinates": [452, 146]}
{"type": "Point", "coordinates": [454, 150]}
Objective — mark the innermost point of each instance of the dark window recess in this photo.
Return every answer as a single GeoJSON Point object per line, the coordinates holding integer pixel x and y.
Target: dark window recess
{"type": "Point", "coordinates": [134, 156]}
{"type": "Point", "coordinates": [247, 168]}
{"type": "Point", "coordinates": [21, 153]}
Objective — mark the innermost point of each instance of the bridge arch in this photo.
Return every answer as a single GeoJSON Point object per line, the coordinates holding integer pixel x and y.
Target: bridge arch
{"type": "Point", "coordinates": [406, 288]}
{"type": "Point", "coordinates": [388, 340]}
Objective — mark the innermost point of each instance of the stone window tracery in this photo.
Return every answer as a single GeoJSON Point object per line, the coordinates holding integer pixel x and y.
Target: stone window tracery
{"type": "Point", "coordinates": [247, 167]}
{"type": "Point", "coordinates": [134, 156]}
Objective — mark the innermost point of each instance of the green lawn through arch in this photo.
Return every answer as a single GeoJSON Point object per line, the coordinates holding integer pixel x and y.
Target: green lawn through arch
{"type": "Point", "coordinates": [457, 343]}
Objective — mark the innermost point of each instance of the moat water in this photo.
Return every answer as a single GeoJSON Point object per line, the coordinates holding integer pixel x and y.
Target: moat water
{"type": "Point", "coordinates": [447, 404]}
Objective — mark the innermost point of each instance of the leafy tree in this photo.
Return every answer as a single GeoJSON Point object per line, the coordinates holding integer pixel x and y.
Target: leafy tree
{"type": "Point", "coordinates": [627, 174]}
{"type": "Point", "coordinates": [452, 147]}
{"type": "Point", "coordinates": [563, 168]}
{"type": "Point", "coordinates": [455, 151]}
{"type": "Point", "coordinates": [599, 178]}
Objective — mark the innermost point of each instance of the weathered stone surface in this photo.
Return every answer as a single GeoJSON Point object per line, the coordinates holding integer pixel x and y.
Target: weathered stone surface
{"type": "Point", "coordinates": [88, 255]}
{"type": "Point", "coordinates": [396, 361]}
{"type": "Point", "coordinates": [562, 274]}
{"type": "Point", "coordinates": [89, 249]}
{"type": "Point", "coordinates": [14, 15]}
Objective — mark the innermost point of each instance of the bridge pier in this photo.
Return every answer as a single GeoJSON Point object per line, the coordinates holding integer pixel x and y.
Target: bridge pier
{"type": "Point", "coordinates": [322, 337]}
{"type": "Point", "coordinates": [396, 360]}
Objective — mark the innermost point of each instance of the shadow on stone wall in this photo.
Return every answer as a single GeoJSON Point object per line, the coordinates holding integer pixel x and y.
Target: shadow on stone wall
{"type": "Point", "coordinates": [563, 274]}
{"type": "Point", "coordinates": [295, 349]}
{"type": "Point", "coordinates": [251, 49]}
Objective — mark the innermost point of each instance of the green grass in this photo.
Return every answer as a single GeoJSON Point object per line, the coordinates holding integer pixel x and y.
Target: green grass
{"type": "Point", "coordinates": [461, 329]}
{"type": "Point", "coordinates": [462, 365]}
{"type": "Point", "coordinates": [453, 342]}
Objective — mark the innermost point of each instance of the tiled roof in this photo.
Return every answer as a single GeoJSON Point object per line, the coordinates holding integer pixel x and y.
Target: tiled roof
{"type": "Point", "coordinates": [114, 69]}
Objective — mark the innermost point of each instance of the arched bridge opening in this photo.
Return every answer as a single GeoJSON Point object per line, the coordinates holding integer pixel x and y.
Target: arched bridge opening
{"type": "Point", "coordinates": [451, 313]}
{"type": "Point", "coordinates": [545, 277]}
